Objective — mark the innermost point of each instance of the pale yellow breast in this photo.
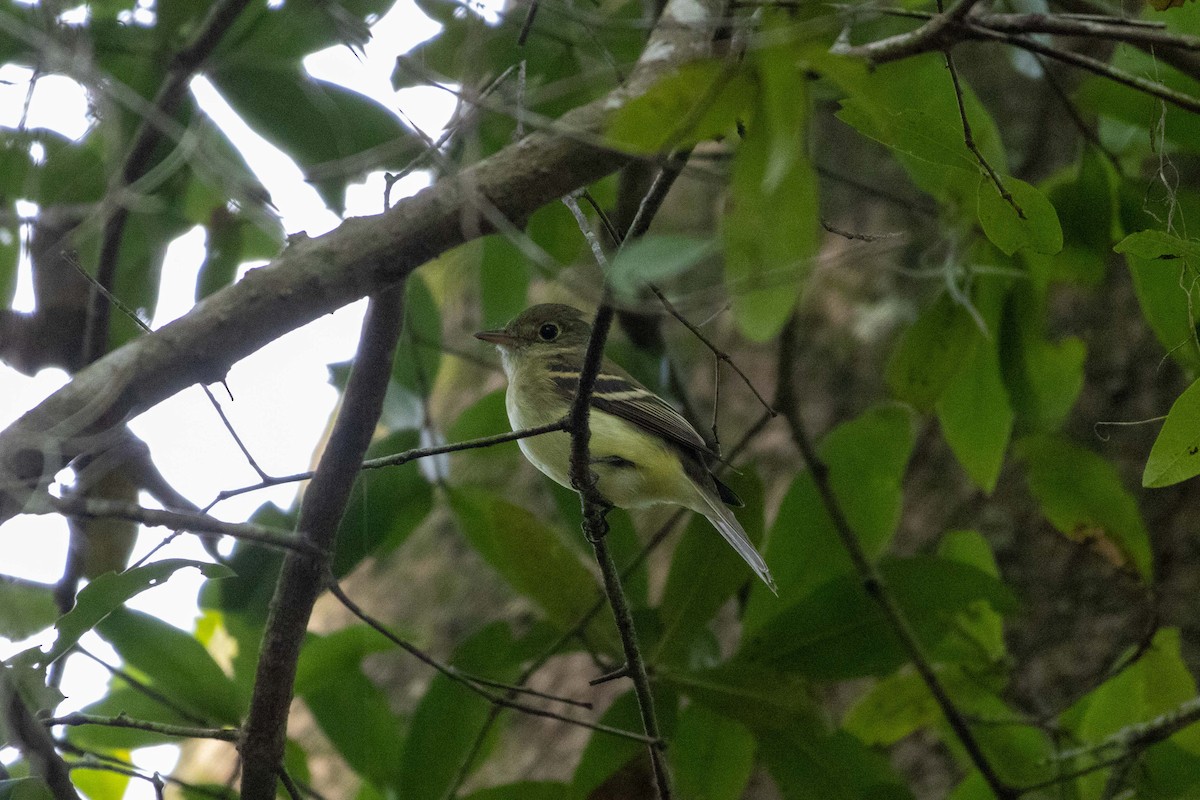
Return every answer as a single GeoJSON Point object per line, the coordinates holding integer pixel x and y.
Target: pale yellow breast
{"type": "Point", "coordinates": [657, 478]}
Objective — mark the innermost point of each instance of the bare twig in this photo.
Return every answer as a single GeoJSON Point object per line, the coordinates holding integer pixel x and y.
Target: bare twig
{"type": "Point", "coordinates": [1181, 99]}
{"type": "Point", "coordinates": [94, 508]}
{"type": "Point", "coordinates": [969, 138]}
{"type": "Point", "coordinates": [472, 683]}
{"type": "Point", "coordinates": [720, 354]}
{"type": "Point", "coordinates": [122, 721]}
{"type": "Point", "coordinates": [870, 576]}
{"type": "Point", "coordinates": [404, 457]}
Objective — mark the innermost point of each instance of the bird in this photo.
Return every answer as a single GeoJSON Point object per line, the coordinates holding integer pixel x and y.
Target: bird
{"type": "Point", "coordinates": [642, 450]}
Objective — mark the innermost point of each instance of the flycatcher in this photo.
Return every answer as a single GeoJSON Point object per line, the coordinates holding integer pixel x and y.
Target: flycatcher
{"type": "Point", "coordinates": [642, 450]}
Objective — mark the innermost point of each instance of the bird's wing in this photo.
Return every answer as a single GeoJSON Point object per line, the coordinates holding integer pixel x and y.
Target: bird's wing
{"type": "Point", "coordinates": [617, 393]}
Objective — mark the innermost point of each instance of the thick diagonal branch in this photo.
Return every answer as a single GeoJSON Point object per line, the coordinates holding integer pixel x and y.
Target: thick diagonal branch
{"type": "Point", "coordinates": [302, 577]}
{"type": "Point", "coordinates": [316, 276]}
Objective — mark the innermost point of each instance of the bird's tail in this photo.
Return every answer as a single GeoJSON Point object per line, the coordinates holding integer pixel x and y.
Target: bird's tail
{"type": "Point", "coordinates": [728, 526]}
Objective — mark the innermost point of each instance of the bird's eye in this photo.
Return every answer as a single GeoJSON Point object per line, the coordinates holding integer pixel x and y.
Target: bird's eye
{"type": "Point", "coordinates": [548, 332]}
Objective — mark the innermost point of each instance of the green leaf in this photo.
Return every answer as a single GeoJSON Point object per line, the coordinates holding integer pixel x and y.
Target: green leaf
{"type": "Point", "coordinates": [530, 556]}
{"type": "Point", "coordinates": [705, 573]}
{"type": "Point", "coordinates": [25, 607]}
{"type": "Point", "coordinates": [623, 542]}
{"type": "Point", "coordinates": [25, 789]}
{"type": "Point", "coordinates": [1112, 100]}
{"type": "Point", "coordinates": [814, 765]}
{"type": "Point", "coordinates": [352, 711]}
{"type": "Point", "coordinates": [222, 253]}
{"type": "Point", "coordinates": [527, 790]}
{"type": "Point", "coordinates": [900, 705]}
{"type": "Point", "coordinates": [1175, 455]}
{"type": "Point", "coordinates": [314, 122]}
{"type": "Point", "coordinates": [101, 784]}
{"type": "Point", "coordinates": [760, 697]}
{"type": "Point", "coordinates": [255, 569]}
{"type": "Point", "coordinates": [386, 505]}
{"type": "Point", "coordinates": [504, 275]}
{"type": "Point", "coordinates": [1155, 684]}
{"type": "Point", "coordinates": [770, 228]}
{"type": "Point", "coordinates": [1044, 378]}
{"type": "Point", "coordinates": [143, 248]}
{"type": "Point", "coordinates": [176, 664]}
{"type": "Point", "coordinates": [288, 32]}
{"type": "Point", "coordinates": [605, 755]}
{"type": "Point", "coordinates": [1087, 209]}
{"type": "Point", "coordinates": [449, 716]}
{"type": "Point", "coordinates": [324, 658]}
{"type": "Point", "coordinates": [1167, 771]}
{"type": "Point", "coordinates": [1083, 497]}
{"type": "Point", "coordinates": [1035, 227]}
{"type": "Point", "coordinates": [419, 353]}
{"type": "Point", "coordinates": [711, 756]}
{"type": "Point", "coordinates": [895, 707]}
{"type": "Point", "coordinates": [973, 409]}
{"type": "Point", "coordinates": [980, 628]}
{"type": "Point", "coordinates": [911, 107]}
{"type": "Point", "coordinates": [654, 258]}
{"type": "Point", "coordinates": [10, 253]}
{"type": "Point", "coordinates": [839, 632]}
{"type": "Point", "coordinates": [1164, 269]}
{"type": "Point", "coordinates": [932, 352]}
{"type": "Point", "coordinates": [487, 417]}
{"type": "Point", "coordinates": [109, 592]}
{"type": "Point", "coordinates": [867, 457]}
{"type": "Point", "coordinates": [72, 172]}
{"type": "Point", "coordinates": [698, 101]}
{"type": "Point", "coordinates": [1158, 245]}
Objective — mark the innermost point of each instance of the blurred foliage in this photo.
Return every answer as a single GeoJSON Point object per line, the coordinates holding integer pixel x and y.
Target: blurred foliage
{"type": "Point", "coordinates": [740, 676]}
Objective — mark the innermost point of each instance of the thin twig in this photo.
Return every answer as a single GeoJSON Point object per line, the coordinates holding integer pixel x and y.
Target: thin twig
{"type": "Point", "coordinates": [142, 687]}
{"type": "Point", "coordinates": [1181, 99]}
{"type": "Point", "coordinates": [404, 457]}
{"type": "Point", "coordinates": [856, 237]}
{"type": "Point", "coordinates": [470, 683]}
{"type": "Point", "coordinates": [132, 315]}
{"type": "Point", "coordinates": [870, 576]}
{"type": "Point", "coordinates": [969, 138]}
{"type": "Point", "coordinates": [720, 354]}
{"type": "Point", "coordinates": [166, 729]}
{"type": "Point", "coordinates": [96, 508]}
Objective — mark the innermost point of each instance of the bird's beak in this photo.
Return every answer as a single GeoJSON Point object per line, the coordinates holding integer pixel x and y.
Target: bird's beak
{"type": "Point", "coordinates": [500, 337]}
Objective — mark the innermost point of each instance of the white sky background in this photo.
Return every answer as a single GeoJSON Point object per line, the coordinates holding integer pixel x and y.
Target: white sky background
{"type": "Point", "coordinates": [282, 398]}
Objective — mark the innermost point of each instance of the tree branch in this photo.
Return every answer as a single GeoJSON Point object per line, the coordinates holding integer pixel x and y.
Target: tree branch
{"type": "Point", "coordinates": [872, 580]}
{"type": "Point", "coordinates": [35, 744]}
{"type": "Point", "coordinates": [302, 577]}
{"type": "Point", "coordinates": [476, 684]}
{"type": "Point", "coordinates": [170, 95]}
{"type": "Point", "coordinates": [396, 459]}
{"type": "Point", "coordinates": [122, 721]}
{"type": "Point", "coordinates": [316, 276]}
{"type": "Point", "coordinates": [93, 508]}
